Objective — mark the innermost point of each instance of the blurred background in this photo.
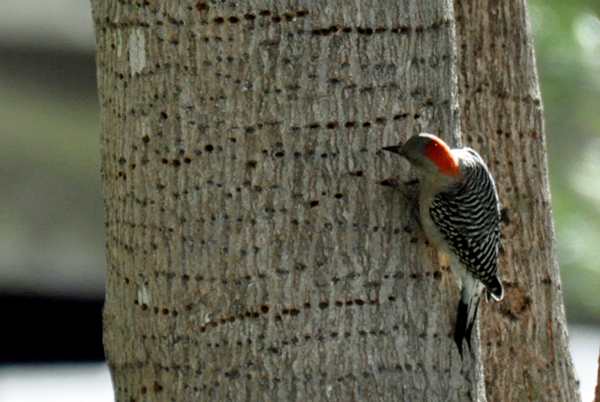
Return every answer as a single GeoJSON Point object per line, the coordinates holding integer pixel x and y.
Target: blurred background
{"type": "Point", "coordinates": [52, 267]}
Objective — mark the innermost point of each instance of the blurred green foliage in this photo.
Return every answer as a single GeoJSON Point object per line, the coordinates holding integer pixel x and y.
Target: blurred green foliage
{"type": "Point", "coordinates": [51, 224]}
{"type": "Point", "coordinates": [567, 41]}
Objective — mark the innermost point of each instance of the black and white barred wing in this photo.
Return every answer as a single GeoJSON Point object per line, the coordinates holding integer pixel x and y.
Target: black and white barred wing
{"type": "Point", "coordinates": [469, 219]}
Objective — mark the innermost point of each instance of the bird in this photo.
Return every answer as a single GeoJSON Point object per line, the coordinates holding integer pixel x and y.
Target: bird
{"type": "Point", "coordinates": [460, 214]}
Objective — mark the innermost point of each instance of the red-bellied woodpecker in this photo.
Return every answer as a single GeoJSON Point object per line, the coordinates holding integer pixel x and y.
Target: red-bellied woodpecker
{"type": "Point", "coordinates": [460, 214]}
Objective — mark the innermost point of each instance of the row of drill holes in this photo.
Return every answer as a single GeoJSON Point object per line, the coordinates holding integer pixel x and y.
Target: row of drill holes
{"type": "Point", "coordinates": [250, 278]}
{"type": "Point", "coordinates": [264, 309]}
{"type": "Point", "coordinates": [291, 311]}
{"type": "Point", "coordinates": [251, 163]}
{"type": "Point", "coordinates": [333, 124]}
{"type": "Point", "coordinates": [289, 16]}
{"type": "Point", "coordinates": [315, 203]}
{"type": "Point", "coordinates": [322, 31]}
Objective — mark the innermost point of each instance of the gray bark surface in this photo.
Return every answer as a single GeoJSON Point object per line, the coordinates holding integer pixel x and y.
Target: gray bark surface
{"type": "Point", "coordinates": [256, 246]}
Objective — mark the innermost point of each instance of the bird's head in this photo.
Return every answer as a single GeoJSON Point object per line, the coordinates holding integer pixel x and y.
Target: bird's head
{"type": "Point", "coordinates": [429, 154]}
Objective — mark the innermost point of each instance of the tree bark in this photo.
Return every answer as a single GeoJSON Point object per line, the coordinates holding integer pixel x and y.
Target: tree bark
{"type": "Point", "coordinates": [256, 249]}
{"type": "Point", "coordinates": [525, 347]}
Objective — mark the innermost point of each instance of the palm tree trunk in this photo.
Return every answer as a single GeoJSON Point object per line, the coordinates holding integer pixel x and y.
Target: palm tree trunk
{"type": "Point", "coordinates": [256, 247]}
{"type": "Point", "coordinates": [525, 345]}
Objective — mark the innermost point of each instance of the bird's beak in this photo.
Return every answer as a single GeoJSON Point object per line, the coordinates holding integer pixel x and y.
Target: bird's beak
{"type": "Point", "coordinates": [395, 149]}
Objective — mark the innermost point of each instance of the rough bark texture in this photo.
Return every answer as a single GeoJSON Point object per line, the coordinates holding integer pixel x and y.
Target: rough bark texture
{"type": "Point", "coordinates": [256, 247]}
{"type": "Point", "coordinates": [525, 342]}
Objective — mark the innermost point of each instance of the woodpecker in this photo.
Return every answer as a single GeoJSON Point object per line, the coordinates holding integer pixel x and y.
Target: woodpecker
{"type": "Point", "coordinates": [460, 214]}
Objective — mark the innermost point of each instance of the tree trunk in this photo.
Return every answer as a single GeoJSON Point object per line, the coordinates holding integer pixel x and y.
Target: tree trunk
{"type": "Point", "coordinates": [525, 347]}
{"type": "Point", "coordinates": [256, 248]}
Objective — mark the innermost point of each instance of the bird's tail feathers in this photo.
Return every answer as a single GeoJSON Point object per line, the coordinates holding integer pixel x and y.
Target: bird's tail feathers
{"type": "Point", "coordinates": [465, 320]}
{"type": "Point", "coordinates": [494, 289]}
